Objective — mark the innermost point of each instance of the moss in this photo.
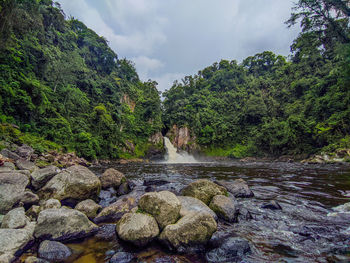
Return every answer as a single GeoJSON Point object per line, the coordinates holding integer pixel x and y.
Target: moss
{"type": "Point", "coordinates": [41, 163]}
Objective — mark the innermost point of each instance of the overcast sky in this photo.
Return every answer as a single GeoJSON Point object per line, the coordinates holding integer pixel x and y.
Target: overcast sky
{"type": "Point", "coordinates": [169, 39]}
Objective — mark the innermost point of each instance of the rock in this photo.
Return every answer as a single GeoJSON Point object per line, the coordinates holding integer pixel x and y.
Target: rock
{"type": "Point", "coordinates": [224, 207]}
{"type": "Point", "coordinates": [106, 232]}
{"type": "Point", "coordinates": [137, 228]}
{"type": "Point", "coordinates": [77, 182]}
{"type": "Point", "coordinates": [14, 241]}
{"type": "Point", "coordinates": [163, 206]}
{"type": "Point", "coordinates": [273, 205]}
{"type": "Point", "coordinates": [33, 259]}
{"type": "Point", "coordinates": [12, 186]}
{"type": "Point", "coordinates": [115, 211]}
{"type": "Point", "coordinates": [122, 257]}
{"type": "Point", "coordinates": [239, 188]}
{"type": "Point", "coordinates": [112, 178]}
{"type": "Point", "coordinates": [25, 151]}
{"type": "Point", "coordinates": [1, 218]}
{"type": "Point", "coordinates": [88, 207]}
{"type": "Point", "coordinates": [23, 164]}
{"type": "Point", "coordinates": [8, 154]}
{"type": "Point", "coordinates": [194, 229]}
{"type": "Point", "coordinates": [33, 212]}
{"type": "Point", "coordinates": [232, 250]}
{"type": "Point", "coordinates": [191, 204]}
{"type": "Point", "coordinates": [54, 251]}
{"type": "Point", "coordinates": [203, 190]}
{"type": "Point", "coordinates": [63, 224]}
{"type": "Point", "coordinates": [41, 176]}
{"type": "Point", "coordinates": [28, 198]}
{"type": "Point", "coordinates": [123, 189]}
{"type": "Point", "coordinates": [51, 203]}
{"type": "Point", "coordinates": [16, 218]}
{"type": "Point", "coordinates": [7, 167]}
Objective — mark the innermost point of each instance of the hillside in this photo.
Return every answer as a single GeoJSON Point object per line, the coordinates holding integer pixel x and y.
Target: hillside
{"type": "Point", "coordinates": [61, 82]}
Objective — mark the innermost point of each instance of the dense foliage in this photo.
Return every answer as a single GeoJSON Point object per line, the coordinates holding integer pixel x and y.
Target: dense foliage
{"type": "Point", "coordinates": [269, 104]}
{"type": "Point", "coordinates": [60, 81]}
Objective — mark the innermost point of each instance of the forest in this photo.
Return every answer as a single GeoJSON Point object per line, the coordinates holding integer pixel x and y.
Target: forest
{"type": "Point", "coordinates": [63, 88]}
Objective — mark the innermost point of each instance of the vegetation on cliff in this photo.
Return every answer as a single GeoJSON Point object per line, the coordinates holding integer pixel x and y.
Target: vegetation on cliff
{"type": "Point", "coordinates": [269, 104]}
{"type": "Point", "coordinates": [61, 82]}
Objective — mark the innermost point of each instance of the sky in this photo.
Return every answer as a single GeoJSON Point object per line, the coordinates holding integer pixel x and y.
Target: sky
{"type": "Point", "coordinates": [170, 39]}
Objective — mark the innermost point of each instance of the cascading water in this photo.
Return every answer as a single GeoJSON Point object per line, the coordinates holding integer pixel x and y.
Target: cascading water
{"type": "Point", "coordinates": [173, 156]}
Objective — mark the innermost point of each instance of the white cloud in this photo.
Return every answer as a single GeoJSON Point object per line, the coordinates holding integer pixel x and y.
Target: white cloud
{"type": "Point", "coordinates": [146, 65]}
{"type": "Point", "coordinates": [165, 81]}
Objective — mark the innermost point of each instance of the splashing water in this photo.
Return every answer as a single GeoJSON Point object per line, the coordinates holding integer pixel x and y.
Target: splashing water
{"type": "Point", "coordinates": [174, 157]}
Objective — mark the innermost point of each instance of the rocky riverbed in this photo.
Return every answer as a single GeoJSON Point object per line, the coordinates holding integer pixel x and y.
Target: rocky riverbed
{"type": "Point", "coordinates": [205, 212]}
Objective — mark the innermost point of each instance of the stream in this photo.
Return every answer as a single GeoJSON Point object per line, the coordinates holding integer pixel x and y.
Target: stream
{"type": "Point", "coordinates": [305, 230]}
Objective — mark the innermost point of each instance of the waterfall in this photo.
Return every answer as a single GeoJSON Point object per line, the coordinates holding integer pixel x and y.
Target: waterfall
{"type": "Point", "coordinates": [174, 157]}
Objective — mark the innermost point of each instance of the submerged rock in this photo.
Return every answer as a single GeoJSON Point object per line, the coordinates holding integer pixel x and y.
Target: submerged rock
{"type": "Point", "coordinates": [190, 204]}
{"type": "Point", "coordinates": [192, 230]}
{"type": "Point", "coordinates": [163, 206]}
{"type": "Point", "coordinates": [16, 218]}
{"type": "Point", "coordinates": [112, 178]}
{"type": "Point", "coordinates": [54, 251]}
{"type": "Point", "coordinates": [273, 205]}
{"type": "Point", "coordinates": [12, 186]}
{"type": "Point", "coordinates": [88, 207]}
{"type": "Point", "coordinates": [122, 257]}
{"type": "Point", "coordinates": [224, 207]}
{"type": "Point", "coordinates": [63, 224]}
{"type": "Point", "coordinates": [203, 190]}
{"type": "Point", "coordinates": [77, 183]}
{"type": "Point", "coordinates": [239, 188]}
{"type": "Point", "coordinates": [137, 228]}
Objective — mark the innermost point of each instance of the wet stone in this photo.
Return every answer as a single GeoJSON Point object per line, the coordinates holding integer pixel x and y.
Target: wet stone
{"type": "Point", "coordinates": [54, 251]}
{"type": "Point", "coordinates": [106, 232]}
{"type": "Point", "coordinates": [122, 257]}
{"type": "Point", "coordinates": [273, 205]}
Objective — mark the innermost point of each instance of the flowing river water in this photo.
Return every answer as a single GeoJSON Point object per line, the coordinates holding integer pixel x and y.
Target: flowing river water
{"type": "Point", "coordinates": [307, 229]}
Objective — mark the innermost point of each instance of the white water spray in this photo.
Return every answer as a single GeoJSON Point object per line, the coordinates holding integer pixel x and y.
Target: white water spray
{"type": "Point", "coordinates": [174, 157]}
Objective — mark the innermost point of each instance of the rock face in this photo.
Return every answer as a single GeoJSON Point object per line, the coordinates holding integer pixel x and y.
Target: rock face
{"type": "Point", "coordinates": [137, 228]}
{"type": "Point", "coordinates": [191, 204]}
{"type": "Point", "coordinates": [204, 190]}
{"type": "Point", "coordinates": [112, 178]}
{"type": "Point", "coordinates": [41, 176]}
{"type": "Point", "coordinates": [223, 207]}
{"type": "Point", "coordinates": [116, 210]}
{"type": "Point", "coordinates": [77, 182]}
{"type": "Point", "coordinates": [12, 186]}
{"type": "Point", "coordinates": [191, 230]}
{"type": "Point", "coordinates": [182, 138]}
{"type": "Point", "coordinates": [16, 218]}
{"type": "Point", "coordinates": [239, 188]}
{"type": "Point", "coordinates": [54, 251]}
{"type": "Point", "coordinates": [13, 241]}
{"type": "Point", "coordinates": [163, 206]}
{"type": "Point", "coordinates": [63, 224]}
{"type": "Point", "coordinates": [88, 207]}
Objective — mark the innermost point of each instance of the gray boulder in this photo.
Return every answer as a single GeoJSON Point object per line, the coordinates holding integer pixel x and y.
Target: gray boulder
{"type": "Point", "coordinates": [239, 188]}
{"type": "Point", "coordinates": [16, 218]}
{"type": "Point", "coordinates": [51, 203]}
{"type": "Point", "coordinates": [63, 224]}
{"type": "Point", "coordinates": [28, 198]}
{"type": "Point", "coordinates": [77, 182]}
{"type": "Point", "coordinates": [112, 178]}
{"type": "Point", "coordinates": [163, 206]}
{"type": "Point", "coordinates": [190, 204]}
{"type": "Point", "coordinates": [41, 176]}
{"type": "Point", "coordinates": [12, 186]}
{"type": "Point", "coordinates": [23, 164]}
{"type": "Point", "coordinates": [54, 251]}
{"type": "Point", "coordinates": [137, 228]}
{"type": "Point", "coordinates": [25, 151]}
{"type": "Point", "coordinates": [224, 207]}
{"type": "Point", "coordinates": [7, 167]}
{"type": "Point", "coordinates": [88, 207]}
{"type": "Point", "coordinates": [8, 154]}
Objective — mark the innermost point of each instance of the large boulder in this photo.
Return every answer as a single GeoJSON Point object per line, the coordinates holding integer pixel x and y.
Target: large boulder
{"type": "Point", "coordinates": [116, 210]}
{"type": "Point", "coordinates": [7, 167]}
{"type": "Point", "coordinates": [112, 178]}
{"type": "Point", "coordinates": [203, 190]}
{"type": "Point", "coordinates": [77, 183]}
{"type": "Point", "coordinates": [88, 207]}
{"type": "Point", "coordinates": [16, 218]}
{"type": "Point", "coordinates": [41, 176]}
{"type": "Point", "coordinates": [238, 188]}
{"type": "Point", "coordinates": [190, 204]}
{"type": "Point", "coordinates": [63, 224]}
{"type": "Point", "coordinates": [54, 251]}
{"type": "Point", "coordinates": [137, 228]}
{"type": "Point", "coordinates": [14, 241]}
{"type": "Point", "coordinates": [23, 164]}
{"type": "Point", "coordinates": [194, 229]}
{"type": "Point", "coordinates": [12, 186]}
{"type": "Point", "coordinates": [163, 206]}
{"type": "Point", "coordinates": [224, 207]}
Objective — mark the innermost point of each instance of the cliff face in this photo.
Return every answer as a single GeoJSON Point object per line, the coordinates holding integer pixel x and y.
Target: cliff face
{"type": "Point", "coordinates": [182, 138]}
